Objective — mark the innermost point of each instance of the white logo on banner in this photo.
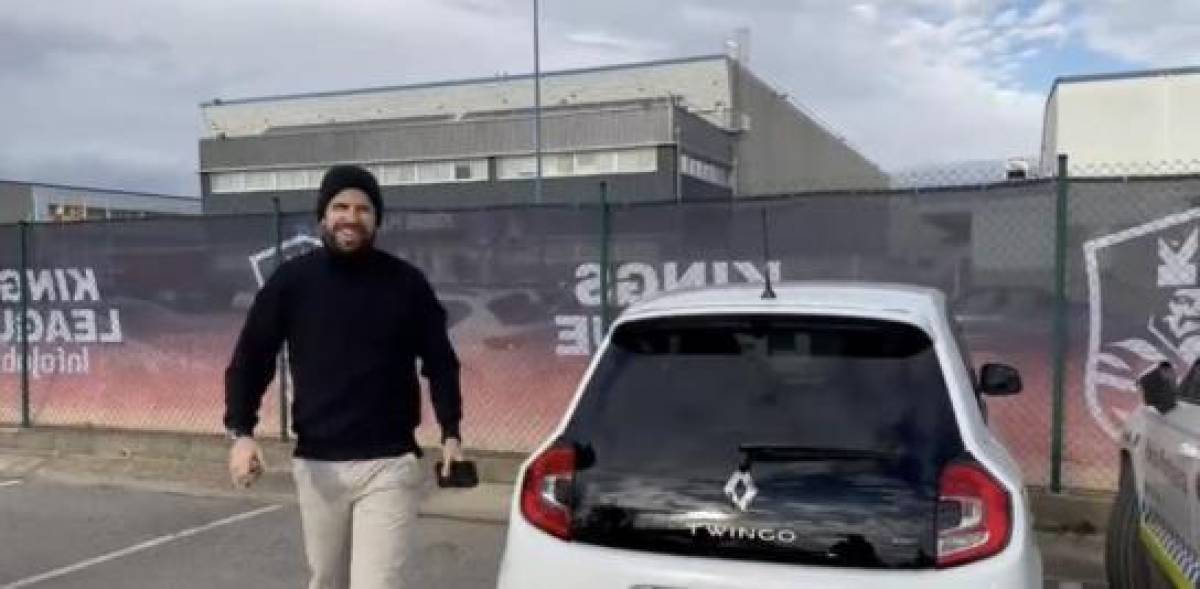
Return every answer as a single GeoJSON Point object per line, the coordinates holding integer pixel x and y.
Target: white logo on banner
{"type": "Point", "coordinates": [293, 247]}
{"type": "Point", "coordinates": [630, 282]}
{"type": "Point", "coordinates": [1172, 330]}
{"type": "Point", "coordinates": [65, 316]}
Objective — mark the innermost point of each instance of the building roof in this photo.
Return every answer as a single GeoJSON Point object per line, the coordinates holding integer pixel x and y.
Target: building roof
{"type": "Point", "coordinates": [97, 189]}
{"type": "Point", "coordinates": [465, 82]}
{"type": "Point", "coordinates": [1153, 73]}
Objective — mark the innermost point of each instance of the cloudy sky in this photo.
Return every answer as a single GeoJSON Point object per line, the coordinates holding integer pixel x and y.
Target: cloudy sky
{"type": "Point", "coordinates": [107, 93]}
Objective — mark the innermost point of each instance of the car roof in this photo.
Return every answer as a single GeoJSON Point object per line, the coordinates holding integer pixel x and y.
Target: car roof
{"type": "Point", "coordinates": [808, 297]}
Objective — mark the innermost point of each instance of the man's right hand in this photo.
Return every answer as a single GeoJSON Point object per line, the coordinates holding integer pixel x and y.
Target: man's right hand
{"type": "Point", "coordinates": [246, 462]}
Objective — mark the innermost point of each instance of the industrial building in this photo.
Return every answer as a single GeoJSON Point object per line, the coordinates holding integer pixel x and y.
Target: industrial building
{"type": "Point", "coordinates": [703, 128]}
{"type": "Point", "coordinates": [1126, 124]}
{"type": "Point", "coordinates": [32, 201]}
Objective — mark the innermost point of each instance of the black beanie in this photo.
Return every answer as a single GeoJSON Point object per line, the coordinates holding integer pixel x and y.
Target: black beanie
{"type": "Point", "coordinates": [339, 178]}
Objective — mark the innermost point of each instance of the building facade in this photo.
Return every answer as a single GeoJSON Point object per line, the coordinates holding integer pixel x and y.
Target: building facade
{"type": "Point", "coordinates": [36, 202]}
{"type": "Point", "coordinates": [1129, 124]}
{"type": "Point", "coordinates": [702, 128]}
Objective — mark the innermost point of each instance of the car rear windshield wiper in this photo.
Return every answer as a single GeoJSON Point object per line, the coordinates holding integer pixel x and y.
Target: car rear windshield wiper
{"type": "Point", "coordinates": [752, 453]}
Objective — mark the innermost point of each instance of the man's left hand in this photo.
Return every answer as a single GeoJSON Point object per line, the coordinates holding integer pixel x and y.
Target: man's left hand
{"type": "Point", "coordinates": [451, 453]}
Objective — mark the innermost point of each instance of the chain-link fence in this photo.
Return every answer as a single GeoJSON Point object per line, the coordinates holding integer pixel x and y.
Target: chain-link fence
{"type": "Point", "coordinates": [130, 323]}
{"type": "Point", "coordinates": [990, 250]}
{"type": "Point", "coordinates": [1131, 263]}
{"type": "Point", "coordinates": [505, 277]}
{"type": "Point", "coordinates": [11, 398]}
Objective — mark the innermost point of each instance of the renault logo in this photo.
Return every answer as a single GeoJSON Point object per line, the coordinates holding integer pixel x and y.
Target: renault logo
{"type": "Point", "coordinates": [740, 489]}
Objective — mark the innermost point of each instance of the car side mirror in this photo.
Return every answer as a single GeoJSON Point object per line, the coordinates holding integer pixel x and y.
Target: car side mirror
{"type": "Point", "coordinates": [999, 380]}
{"type": "Point", "coordinates": [1158, 388]}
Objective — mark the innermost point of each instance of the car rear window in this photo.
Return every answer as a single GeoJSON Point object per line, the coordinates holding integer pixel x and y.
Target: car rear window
{"type": "Point", "coordinates": [682, 394]}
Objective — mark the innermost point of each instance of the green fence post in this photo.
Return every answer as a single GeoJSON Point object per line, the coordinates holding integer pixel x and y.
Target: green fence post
{"type": "Point", "coordinates": [23, 319]}
{"type": "Point", "coordinates": [283, 356]}
{"type": "Point", "coordinates": [1060, 325]}
{"type": "Point", "coordinates": [604, 255]}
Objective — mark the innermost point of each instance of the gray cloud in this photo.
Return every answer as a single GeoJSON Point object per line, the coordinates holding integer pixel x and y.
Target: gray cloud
{"type": "Point", "coordinates": [1165, 33]}
{"type": "Point", "coordinates": [28, 47]}
{"type": "Point", "coordinates": [106, 170]}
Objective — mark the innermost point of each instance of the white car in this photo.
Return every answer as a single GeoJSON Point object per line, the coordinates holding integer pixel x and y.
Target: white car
{"type": "Point", "coordinates": [1154, 530]}
{"type": "Point", "coordinates": [821, 435]}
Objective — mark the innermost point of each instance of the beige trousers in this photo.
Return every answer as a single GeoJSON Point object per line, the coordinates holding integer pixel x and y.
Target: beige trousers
{"type": "Point", "coordinates": [359, 519]}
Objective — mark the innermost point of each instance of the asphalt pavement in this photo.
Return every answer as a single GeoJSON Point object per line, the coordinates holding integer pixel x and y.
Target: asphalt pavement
{"type": "Point", "coordinates": [57, 536]}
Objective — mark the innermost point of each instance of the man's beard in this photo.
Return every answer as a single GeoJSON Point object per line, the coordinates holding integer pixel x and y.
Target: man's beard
{"type": "Point", "coordinates": [329, 238]}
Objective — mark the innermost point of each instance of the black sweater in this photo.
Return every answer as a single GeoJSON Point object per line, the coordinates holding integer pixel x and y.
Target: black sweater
{"type": "Point", "coordinates": [355, 327]}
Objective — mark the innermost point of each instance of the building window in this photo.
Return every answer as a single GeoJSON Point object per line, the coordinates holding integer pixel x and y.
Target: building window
{"type": "Point", "coordinates": [291, 180]}
{"type": "Point", "coordinates": [228, 182]}
{"type": "Point", "coordinates": [122, 214]}
{"type": "Point", "coordinates": [432, 172]}
{"type": "Point", "coordinates": [80, 212]}
{"type": "Point", "coordinates": [67, 212]}
{"type": "Point", "coordinates": [703, 170]}
{"type": "Point", "coordinates": [557, 165]}
{"type": "Point", "coordinates": [315, 176]}
{"type": "Point", "coordinates": [594, 163]}
{"type": "Point", "coordinates": [260, 181]}
{"type": "Point", "coordinates": [516, 168]}
{"type": "Point", "coordinates": [479, 170]}
{"type": "Point", "coordinates": [585, 163]}
{"type": "Point", "coordinates": [435, 172]}
{"type": "Point", "coordinates": [396, 174]}
{"type": "Point", "coordinates": [637, 161]}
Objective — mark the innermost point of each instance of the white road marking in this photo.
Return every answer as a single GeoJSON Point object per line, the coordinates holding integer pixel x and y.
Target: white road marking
{"type": "Point", "coordinates": [10, 483]}
{"type": "Point", "coordinates": [140, 547]}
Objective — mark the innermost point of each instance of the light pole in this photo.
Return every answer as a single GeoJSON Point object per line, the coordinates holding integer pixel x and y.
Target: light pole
{"type": "Point", "coordinates": [537, 109]}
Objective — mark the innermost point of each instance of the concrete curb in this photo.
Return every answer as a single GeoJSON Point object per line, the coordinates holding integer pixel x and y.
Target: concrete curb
{"type": "Point", "coordinates": [1079, 558]}
{"type": "Point", "coordinates": [1076, 512]}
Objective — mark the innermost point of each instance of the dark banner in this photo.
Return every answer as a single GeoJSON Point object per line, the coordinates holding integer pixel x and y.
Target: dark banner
{"type": "Point", "coordinates": [131, 323]}
{"type": "Point", "coordinates": [1135, 302]}
{"type": "Point", "coordinates": [990, 251]}
{"type": "Point", "coordinates": [10, 369]}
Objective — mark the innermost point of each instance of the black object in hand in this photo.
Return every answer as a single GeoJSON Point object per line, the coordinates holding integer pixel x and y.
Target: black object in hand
{"type": "Point", "coordinates": [462, 475]}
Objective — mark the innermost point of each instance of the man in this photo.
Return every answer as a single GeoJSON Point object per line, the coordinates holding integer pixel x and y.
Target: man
{"type": "Point", "coordinates": [356, 320]}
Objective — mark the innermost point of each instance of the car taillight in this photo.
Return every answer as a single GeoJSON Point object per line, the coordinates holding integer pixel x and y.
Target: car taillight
{"type": "Point", "coordinates": [546, 492]}
{"type": "Point", "coordinates": [974, 520]}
